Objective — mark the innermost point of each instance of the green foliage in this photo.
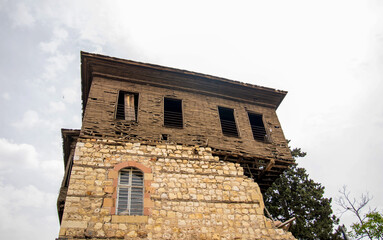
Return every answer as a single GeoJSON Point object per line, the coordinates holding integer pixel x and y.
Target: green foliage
{"type": "Point", "coordinates": [294, 194]}
{"type": "Point", "coordinates": [296, 152]}
{"type": "Point", "coordinates": [372, 226]}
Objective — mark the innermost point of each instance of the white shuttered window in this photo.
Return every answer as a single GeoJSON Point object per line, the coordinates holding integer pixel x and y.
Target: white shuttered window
{"type": "Point", "coordinates": [130, 198]}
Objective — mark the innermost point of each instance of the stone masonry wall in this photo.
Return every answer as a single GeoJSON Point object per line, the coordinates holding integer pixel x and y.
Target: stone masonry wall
{"type": "Point", "coordinates": [189, 194]}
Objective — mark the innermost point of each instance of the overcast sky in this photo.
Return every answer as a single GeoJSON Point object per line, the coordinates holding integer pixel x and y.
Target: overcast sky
{"type": "Point", "coordinates": [327, 54]}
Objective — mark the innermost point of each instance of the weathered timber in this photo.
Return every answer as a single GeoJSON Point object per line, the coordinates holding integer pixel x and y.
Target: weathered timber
{"type": "Point", "coordinates": [165, 153]}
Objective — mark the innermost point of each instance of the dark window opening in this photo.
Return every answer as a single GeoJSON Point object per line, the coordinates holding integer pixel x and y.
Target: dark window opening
{"type": "Point", "coordinates": [257, 126]}
{"type": "Point", "coordinates": [127, 106]}
{"type": "Point", "coordinates": [173, 113]}
{"type": "Point", "coordinates": [164, 137]}
{"type": "Point", "coordinates": [229, 128]}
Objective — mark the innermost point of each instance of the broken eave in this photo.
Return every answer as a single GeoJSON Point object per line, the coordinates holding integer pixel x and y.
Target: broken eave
{"type": "Point", "coordinates": [263, 170]}
{"type": "Point", "coordinates": [69, 137]}
{"type": "Point", "coordinates": [95, 65]}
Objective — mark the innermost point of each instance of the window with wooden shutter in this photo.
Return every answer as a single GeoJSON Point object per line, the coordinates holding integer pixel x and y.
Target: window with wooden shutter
{"type": "Point", "coordinates": [173, 113]}
{"type": "Point", "coordinates": [127, 106]}
{"type": "Point", "coordinates": [257, 126]}
{"type": "Point", "coordinates": [229, 127]}
{"type": "Point", "coordinates": [130, 198]}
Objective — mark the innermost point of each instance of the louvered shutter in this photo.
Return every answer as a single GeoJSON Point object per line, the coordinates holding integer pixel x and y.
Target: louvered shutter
{"type": "Point", "coordinates": [130, 192]}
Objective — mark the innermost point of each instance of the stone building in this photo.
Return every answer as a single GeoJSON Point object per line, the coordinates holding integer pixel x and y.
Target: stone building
{"type": "Point", "coordinates": [165, 153]}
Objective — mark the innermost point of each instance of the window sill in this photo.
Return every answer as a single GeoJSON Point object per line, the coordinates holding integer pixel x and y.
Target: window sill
{"type": "Point", "coordinates": [129, 219]}
{"type": "Point", "coordinates": [231, 136]}
{"type": "Point", "coordinates": [167, 126]}
{"type": "Point", "coordinates": [124, 120]}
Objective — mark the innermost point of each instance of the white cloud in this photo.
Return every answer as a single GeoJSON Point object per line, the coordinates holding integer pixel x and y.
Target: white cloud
{"type": "Point", "coordinates": [56, 106]}
{"type": "Point", "coordinates": [13, 154]}
{"type": "Point", "coordinates": [22, 16]}
{"type": "Point", "coordinates": [49, 47]}
{"type": "Point", "coordinates": [26, 196]}
{"type": "Point", "coordinates": [51, 89]}
{"type": "Point", "coordinates": [6, 96]}
{"type": "Point", "coordinates": [53, 169]}
{"type": "Point", "coordinates": [55, 65]}
{"type": "Point", "coordinates": [101, 24]}
{"type": "Point", "coordinates": [71, 95]}
{"type": "Point", "coordinates": [59, 36]}
{"type": "Point", "coordinates": [19, 209]}
{"type": "Point", "coordinates": [3, 3]}
{"type": "Point", "coordinates": [98, 49]}
{"type": "Point", "coordinates": [23, 160]}
{"type": "Point", "coordinates": [30, 119]}
{"type": "Point", "coordinates": [76, 120]}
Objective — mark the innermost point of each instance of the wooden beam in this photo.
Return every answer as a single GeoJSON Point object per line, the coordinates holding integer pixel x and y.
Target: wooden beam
{"type": "Point", "coordinates": [269, 165]}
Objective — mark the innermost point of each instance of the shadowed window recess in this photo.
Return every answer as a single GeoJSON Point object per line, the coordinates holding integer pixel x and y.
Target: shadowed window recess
{"type": "Point", "coordinates": [173, 113]}
{"type": "Point", "coordinates": [127, 107]}
{"type": "Point", "coordinates": [130, 198]}
{"type": "Point", "coordinates": [229, 127]}
{"type": "Point", "coordinates": [257, 127]}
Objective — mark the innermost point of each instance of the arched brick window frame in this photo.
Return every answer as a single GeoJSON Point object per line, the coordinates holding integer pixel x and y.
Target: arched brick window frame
{"type": "Point", "coordinates": [148, 177]}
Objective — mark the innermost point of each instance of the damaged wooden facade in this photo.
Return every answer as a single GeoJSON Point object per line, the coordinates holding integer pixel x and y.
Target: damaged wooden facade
{"type": "Point", "coordinates": [191, 140]}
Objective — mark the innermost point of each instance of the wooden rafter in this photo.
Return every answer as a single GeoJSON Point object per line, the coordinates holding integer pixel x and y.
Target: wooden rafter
{"type": "Point", "coordinates": [263, 170]}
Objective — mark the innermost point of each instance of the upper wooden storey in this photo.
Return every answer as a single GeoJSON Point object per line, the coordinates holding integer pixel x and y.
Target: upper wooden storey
{"type": "Point", "coordinates": [125, 70]}
{"type": "Point", "coordinates": [178, 106]}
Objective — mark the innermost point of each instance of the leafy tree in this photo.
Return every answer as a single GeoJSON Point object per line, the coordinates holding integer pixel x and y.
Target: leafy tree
{"type": "Point", "coordinates": [369, 225]}
{"type": "Point", "coordinates": [294, 194]}
{"type": "Point", "coordinates": [373, 225]}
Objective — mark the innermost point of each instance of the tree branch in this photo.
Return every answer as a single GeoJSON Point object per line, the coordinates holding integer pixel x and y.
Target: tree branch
{"type": "Point", "coordinates": [354, 206]}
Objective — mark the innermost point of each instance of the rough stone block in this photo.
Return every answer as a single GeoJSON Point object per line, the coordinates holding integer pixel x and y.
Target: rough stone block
{"type": "Point", "coordinates": [129, 219]}
{"type": "Point", "coordinates": [109, 189]}
{"type": "Point", "coordinates": [74, 224]}
{"type": "Point", "coordinates": [112, 174]}
{"type": "Point", "coordinates": [108, 202]}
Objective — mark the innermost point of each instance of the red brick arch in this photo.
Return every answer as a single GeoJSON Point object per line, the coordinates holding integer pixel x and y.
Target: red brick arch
{"type": "Point", "coordinates": [138, 165]}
